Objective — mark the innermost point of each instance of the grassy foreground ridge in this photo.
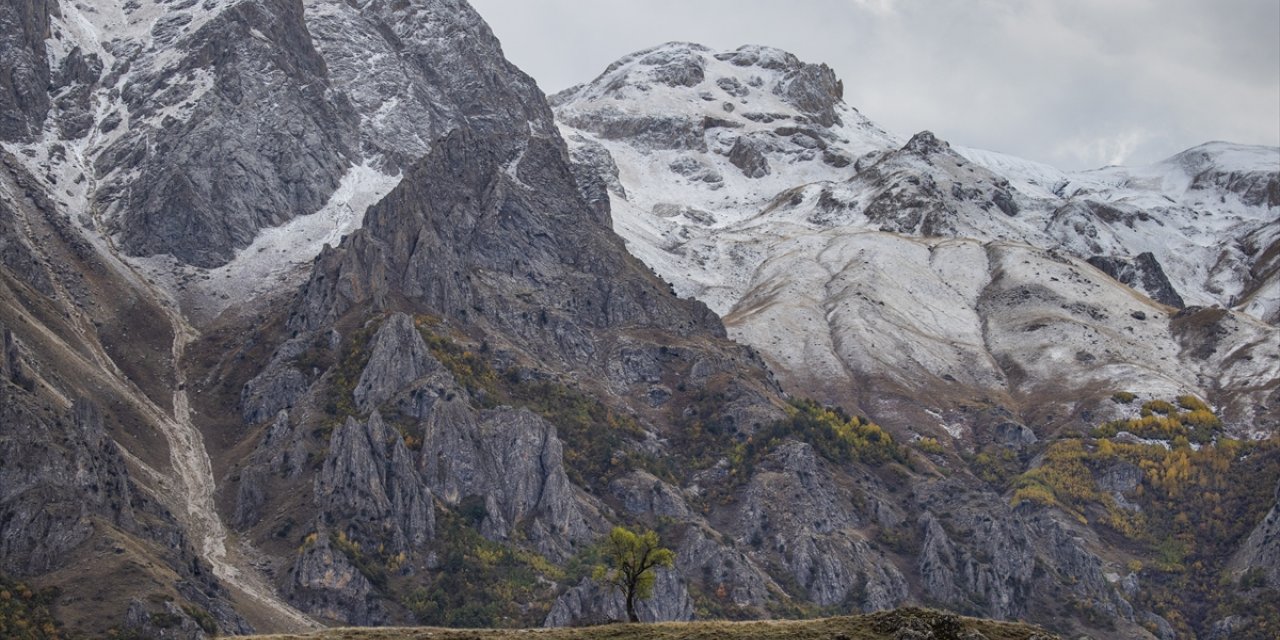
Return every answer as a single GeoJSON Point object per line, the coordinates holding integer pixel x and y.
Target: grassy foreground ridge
{"type": "Point", "coordinates": [902, 624]}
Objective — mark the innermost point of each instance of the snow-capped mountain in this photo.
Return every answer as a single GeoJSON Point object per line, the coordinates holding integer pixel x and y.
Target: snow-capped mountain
{"type": "Point", "coordinates": [881, 272]}
{"type": "Point", "coordinates": [312, 313]}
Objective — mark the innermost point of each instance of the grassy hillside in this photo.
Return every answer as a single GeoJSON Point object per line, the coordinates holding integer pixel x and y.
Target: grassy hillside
{"type": "Point", "coordinates": [891, 625]}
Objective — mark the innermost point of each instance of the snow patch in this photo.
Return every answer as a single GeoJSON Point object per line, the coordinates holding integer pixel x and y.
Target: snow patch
{"type": "Point", "coordinates": [279, 257]}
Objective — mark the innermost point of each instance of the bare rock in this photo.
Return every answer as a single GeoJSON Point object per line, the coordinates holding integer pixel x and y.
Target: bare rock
{"type": "Point", "coordinates": [398, 357]}
{"type": "Point", "coordinates": [324, 583]}
{"type": "Point", "coordinates": [369, 483]}
{"type": "Point", "coordinates": [592, 603]}
{"type": "Point", "coordinates": [747, 155]}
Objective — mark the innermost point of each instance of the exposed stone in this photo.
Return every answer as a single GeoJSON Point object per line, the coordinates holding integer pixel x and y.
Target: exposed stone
{"type": "Point", "coordinates": [54, 476]}
{"type": "Point", "coordinates": [747, 156]}
{"type": "Point", "coordinates": [513, 461]}
{"type": "Point", "coordinates": [643, 493]}
{"type": "Point", "coordinates": [172, 623]}
{"type": "Point", "coordinates": [793, 506]}
{"type": "Point", "coordinates": [1143, 273]}
{"type": "Point", "coordinates": [274, 390]}
{"type": "Point", "coordinates": [324, 583]}
{"type": "Point", "coordinates": [592, 603]}
{"type": "Point", "coordinates": [398, 356]}
{"type": "Point", "coordinates": [370, 490]}
{"type": "Point", "coordinates": [24, 68]}
{"type": "Point", "coordinates": [282, 453]}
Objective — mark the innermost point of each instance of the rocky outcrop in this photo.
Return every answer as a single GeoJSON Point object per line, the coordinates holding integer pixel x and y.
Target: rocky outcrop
{"type": "Point", "coordinates": [591, 603]}
{"type": "Point", "coordinates": [512, 461]}
{"type": "Point", "coordinates": [24, 68]}
{"type": "Point", "coordinates": [281, 454]}
{"type": "Point", "coordinates": [170, 623]}
{"type": "Point", "coordinates": [398, 357]}
{"type": "Point", "coordinates": [992, 574]}
{"type": "Point", "coordinates": [641, 492]}
{"type": "Point", "coordinates": [1144, 273]}
{"type": "Point", "coordinates": [746, 155]}
{"type": "Point", "coordinates": [324, 583]}
{"type": "Point", "coordinates": [793, 510]}
{"type": "Point", "coordinates": [370, 490]}
{"type": "Point", "coordinates": [56, 476]}
{"type": "Point", "coordinates": [509, 210]}
{"type": "Point", "coordinates": [725, 573]}
{"type": "Point", "coordinates": [1261, 550]}
{"type": "Point", "coordinates": [274, 390]}
{"type": "Point", "coordinates": [202, 186]}
{"type": "Point", "coordinates": [594, 170]}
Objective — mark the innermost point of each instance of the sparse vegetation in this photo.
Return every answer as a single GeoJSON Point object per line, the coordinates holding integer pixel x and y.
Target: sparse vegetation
{"type": "Point", "coordinates": [343, 376]}
{"type": "Point", "coordinates": [1162, 420]}
{"type": "Point", "coordinates": [1123, 397]}
{"type": "Point", "coordinates": [1190, 509]}
{"type": "Point", "coordinates": [593, 433]}
{"type": "Point", "coordinates": [834, 434]}
{"type": "Point", "coordinates": [24, 612]}
{"type": "Point", "coordinates": [481, 583]}
{"type": "Point", "coordinates": [884, 625]}
{"type": "Point", "coordinates": [930, 446]}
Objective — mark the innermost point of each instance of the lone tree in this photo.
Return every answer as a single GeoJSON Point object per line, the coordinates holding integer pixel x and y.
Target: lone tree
{"type": "Point", "coordinates": [632, 557]}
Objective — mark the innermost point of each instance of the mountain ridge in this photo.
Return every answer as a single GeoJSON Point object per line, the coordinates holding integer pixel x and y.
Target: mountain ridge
{"type": "Point", "coordinates": [448, 376]}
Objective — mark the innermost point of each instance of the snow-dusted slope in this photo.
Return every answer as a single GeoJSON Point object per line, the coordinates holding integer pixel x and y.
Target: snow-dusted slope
{"type": "Point", "coordinates": [915, 278]}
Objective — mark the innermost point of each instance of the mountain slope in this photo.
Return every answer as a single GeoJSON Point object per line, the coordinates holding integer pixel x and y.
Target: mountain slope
{"type": "Point", "coordinates": [799, 263]}
{"type": "Point", "coordinates": [311, 316]}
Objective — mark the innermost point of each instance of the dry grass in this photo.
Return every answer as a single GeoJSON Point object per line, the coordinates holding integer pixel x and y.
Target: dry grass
{"type": "Point", "coordinates": [877, 626]}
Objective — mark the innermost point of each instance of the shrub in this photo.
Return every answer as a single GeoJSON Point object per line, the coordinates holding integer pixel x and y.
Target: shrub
{"type": "Point", "coordinates": [1123, 397]}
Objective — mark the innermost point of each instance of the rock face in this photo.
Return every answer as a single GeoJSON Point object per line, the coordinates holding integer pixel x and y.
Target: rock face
{"type": "Point", "coordinates": [1261, 551]}
{"type": "Point", "coordinates": [50, 476]}
{"type": "Point", "coordinates": [24, 72]}
{"type": "Point", "coordinates": [470, 208]}
{"type": "Point", "coordinates": [794, 508]}
{"type": "Point", "coordinates": [1142, 273]}
{"type": "Point", "coordinates": [746, 155]}
{"type": "Point", "coordinates": [512, 460]}
{"type": "Point", "coordinates": [590, 603]}
{"type": "Point", "coordinates": [164, 202]}
{"type": "Point", "coordinates": [325, 583]}
{"type": "Point", "coordinates": [170, 623]}
{"type": "Point", "coordinates": [370, 483]}
{"type": "Point", "coordinates": [398, 358]}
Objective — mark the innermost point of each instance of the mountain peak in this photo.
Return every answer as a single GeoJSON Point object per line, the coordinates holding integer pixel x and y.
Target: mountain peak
{"type": "Point", "coordinates": [925, 143]}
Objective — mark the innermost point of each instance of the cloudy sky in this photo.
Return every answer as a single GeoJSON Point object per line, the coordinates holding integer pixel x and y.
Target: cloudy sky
{"type": "Point", "coordinates": [1075, 83]}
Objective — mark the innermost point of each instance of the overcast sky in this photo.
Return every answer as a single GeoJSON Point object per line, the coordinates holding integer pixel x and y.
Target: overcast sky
{"type": "Point", "coordinates": [1075, 83]}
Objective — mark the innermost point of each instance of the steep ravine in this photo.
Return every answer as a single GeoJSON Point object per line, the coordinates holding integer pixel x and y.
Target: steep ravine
{"type": "Point", "coordinates": [191, 489]}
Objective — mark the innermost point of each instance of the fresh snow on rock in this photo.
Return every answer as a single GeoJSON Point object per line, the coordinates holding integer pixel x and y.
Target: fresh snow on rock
{"type": "Point", "coordinates": [922, 269]}
{"type": "Point", "coordinates": [279, 258]}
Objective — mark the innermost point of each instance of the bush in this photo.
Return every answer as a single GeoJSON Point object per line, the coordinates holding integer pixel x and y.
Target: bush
{"type": "Point", "coordinates": [930, 446]}
{"type": "Point", "coordinates": [24, 613]}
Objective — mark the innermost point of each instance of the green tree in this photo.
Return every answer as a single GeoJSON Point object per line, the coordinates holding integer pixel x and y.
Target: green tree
{"type": "Point", "coordinates": [632, 558]}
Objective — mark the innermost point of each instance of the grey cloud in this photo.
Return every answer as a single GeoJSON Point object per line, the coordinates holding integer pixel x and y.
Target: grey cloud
{"type": "Point", "coordinates": [1075, 83]}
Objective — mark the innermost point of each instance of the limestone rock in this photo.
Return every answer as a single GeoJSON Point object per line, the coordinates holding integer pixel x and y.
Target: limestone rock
{"type": "Point", "coordinates": [398, 357]}
{"type": "Point", "coordinates": [1144, 273]}
{"type": "Point", "coordinates": [24, 67]}
{"type": "Point", "coordinates": [370, 485]}
{"type": "Point", "coordinates": [324, 583]}
{"type": "Point", "coordinates": [513, 461]}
